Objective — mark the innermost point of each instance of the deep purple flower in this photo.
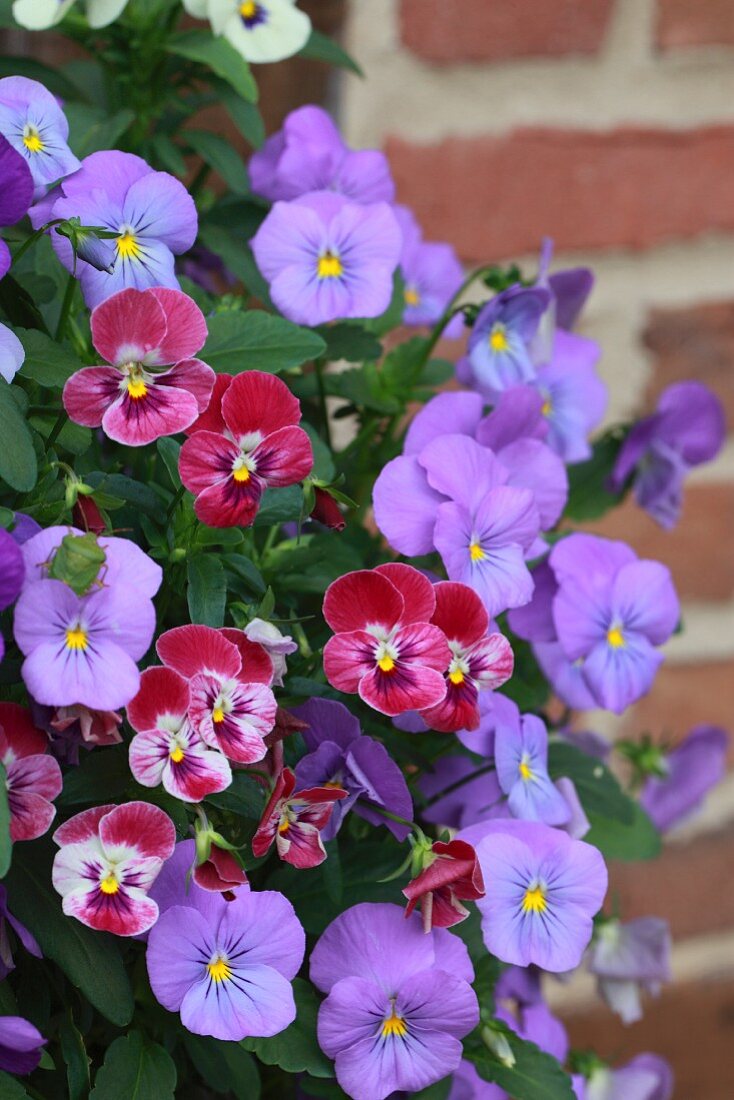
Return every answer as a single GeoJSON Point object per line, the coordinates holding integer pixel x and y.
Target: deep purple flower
{"type": "Point", "coordinates": [339, 755]}
{"type": "Point", "coordinates": [399, 1001]}
{"type": "Point", "coordinates": [12, 572]}
{"type": "Point", "coordinates": [28, 941]}
{"type": "Point", "coordinates": [629, 958]}
{"type": "Point", "coordinates": [151, 212]}
{"type": "Point", "coordinates": [687, 429]}
{"type": "Point", "coordinates": [308, 154]}
{"type": "Point", "coordinates": [521, 756]}
{"type": "Point", "coordinates": [646, 1077]}
{"type": "Point", "coordinates": [16, 195]}
{"type": "Point", "coordinates": [432, 275]}
{"type": "Point", "coordinates": [327, 257]}
{"type": "Point", "coordinates": [692, 769]}
{"type": "Point", "coordinates": [36, 127]}
{"type": "Point", "coordinates": [24, 528]}
{"type": "Point", "coordinates": [498, 355]}
{"type": "Point", "coordinates": [574, 397]}
{"type": "Point", "coordinates": [20, 1045]}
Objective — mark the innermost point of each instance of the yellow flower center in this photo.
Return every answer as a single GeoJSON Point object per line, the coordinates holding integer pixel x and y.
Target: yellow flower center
{"type": "Point", "coordinates": [329, 266]}
{"type": "Point", "coordinates": [547, 407]}
{"type": "Point", "coordinates": [248, 9]}
{"type": "Point", "coordinates": [284, 825]}
{"type": "Point", "coordinates": [412, 297]}
{"type": "Point", "coordinates": [615, 637]}
{"type": "Point", "coordinates": [176, 754]}
{"type": "Point", "coordinates": [241, 474]}
{"type": "Point", "coordinates": [109, 884]}
{"type": "Point", "coordinates": [525, 770]}
{"type": "Point", "coordinates": [498, 339]}
{"type": "Point", "coordinates": [32, 139]}
{"type": "Point", "coordinates": [218, 714]}
{"type": "Point", "coordinates": [457, 676]}
{"type": "Point", "coordinates": [475, 552]}
{"type": "Point", "coordinates": [76, 638]}
{"type": "Point", "coordinates": [127, 246]}
{"type": "Point", "coordinates": [395, 1026]}
{"type": "Point", "coordinates": [136, 388]}
{"type": "Point", "coordinates": [534, 900]}
{"type": "Point", "coordinates": [386, 663]}
{"type": "Point", "coordinates": [219, 970]}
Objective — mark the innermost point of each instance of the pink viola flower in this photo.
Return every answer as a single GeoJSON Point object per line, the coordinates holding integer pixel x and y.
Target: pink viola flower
{"type": "Point", "coordinates": [231, 707]}
{"type": "Point", "coordinates": [167, 749]}
{"type": "Point", "coordinates": [133, 400]}
{"type": "Point", "coordinates": [385, 647]}
{"type": "Point", "coordinates": [32, 777]}
{"type": "Point", "coordinates": [479, 660]}
{"type": "Point", "coordinates": [450, 874]}
{"type": "Point", "coordinates": [294, 820]}
{"type": "Point", "coordinates": [219, 873]}
{"type": "Point", "coordinates": [247, 440]}
{"type": "Point", "coordinates": [109, 858]}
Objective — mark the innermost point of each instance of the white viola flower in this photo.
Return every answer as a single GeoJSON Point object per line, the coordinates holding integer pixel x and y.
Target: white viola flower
{"type": "Point", "coordinates": [38, 15]}
{"type": "Point", "coordinates": [11, 354]}
{"type": "Point", "coordinates": [260, 30]}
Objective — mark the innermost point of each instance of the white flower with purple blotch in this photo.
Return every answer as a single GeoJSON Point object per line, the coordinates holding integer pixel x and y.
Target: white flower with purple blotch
{"type": "Point", "coordinates": [39, 15]}
{"type": "Point", "coordinates": [260, 30]}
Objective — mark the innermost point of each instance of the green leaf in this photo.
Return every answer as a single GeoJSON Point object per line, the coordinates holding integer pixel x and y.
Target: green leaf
{"type": "Point", "coordinates": [628, 841]}
{"type": "Point", "coordinates": [233, 249]}
{"type": "Point", "coordinates": [256, 340]}
{"type": "Point", "coordinates": [220, 155]}
{"type": "Point", "coordinates": [135, 1069]}
{"type": "Point", "coordinates": [90, 960]}
{"type": "Point", "coordinates": [18, 466]}
{"type": "Point", "coordinates": [140, 496]}
{"type": "Point", "coordinates": [225, 1067]}
{"type": "Point", "coordinates": [246, 570]}
{"type": "Point", "coordinates": [280, 506]}
{"type": "Point", "coordinates": [75, 1056]}
{"type": "Point", "coordinates": [6, 844]}
{"type": "Point", "coordinates": [73, 437]}
{"type": "Point", "coordinates": [595, 785]}
{"type": "Point", "coordinates": [207, 590]}
{"type": "Point", "coordinates": [322, 48]}
{"type": "Point", "coordinates": [244, 797]}
{"type": "Point", "coordinates": [219, 56]}
{"type": "Point", "coordinates": [246, 116]}
{"type": "Point", "coordinates": [528, 686]}
{"type": "Point", "coordinates": [296, 1050]}
{"type": "Point", "coordinates": [50, 77]}
{"type": "Point", "coordinates": [106, 769]}
{"type": "Point", "coordinates": [10, 1089]}
{"type": "Point", "coordinates": [92, 129]}
{"type": "Point", "coordinates": [46, 362]}
{"type": "Point", "coordinates": [393, 315]}
{"type": "Point", "coordinates": [534, 1076]}
{"type": "Point", "coordinates": [18, 305]}
{"type": "Point", "coordinates": [169, 450]}
{"type": "Point", "coordinates": [588, 494]}
{"type": "Point", "coordinates": [349, 341]}
{"type": "Point", "coordinates": [169, 155]}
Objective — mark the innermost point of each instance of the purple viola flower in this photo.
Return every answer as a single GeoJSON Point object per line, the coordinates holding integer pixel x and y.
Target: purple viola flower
{"type": "Point", "coordinates": [574, 397]}
{"type": "Point", "coordinates": [399, 1001]}
{"type": "Point", "coordinates": [696, 765]}
{"type": "Point", "coordinates": [151, 212]}
{"type": "Point", "coordinates": [687, 429]}
{"type": "Point", "coordinates": [36, 127]}
{"type": "Point", "coordinates": [308, 154]}
{"type": "Point", "coordinates": [468, 798]}
{"type": "Point", "coordinates": [16, 195]}
{"type": "Point", "coordinates": [12, 573]}
{"type": "Point", "coordinates": [520, 1005]}
{"type": "Point", "coordinates": [646, 1077]}
{"type": "Point", "coordinates": [569, 290]}
{"type": "Point", "coordinates": [628, 959]}
{"type": "Point", "coordinates": [499, 350]}
{"type": "Point", "coordinates": [543, 889]}
{"type": "Point", "coordinates": [24, 528]}
{"type": "Point", "coordinates": [20, 1045]}
{"type": "Point", "coordinates": [12, 354]}
{"type": "Point", "coordinates": [578, 823]}
{"type": "Point", "coordinates": [340, 756]}
{"type": "Point", "coordinates": [468, 1085]}
{"type": "Point", "coordinates": [521, 757]}
{"type": "Point", "coordinates": [28, 941]}
{"type": "Point", "coordinates": [328, 258]}
{"type": "Point", "coordinates": [432, 275]}
{"type": "Point", "coordinates": [278, 646]}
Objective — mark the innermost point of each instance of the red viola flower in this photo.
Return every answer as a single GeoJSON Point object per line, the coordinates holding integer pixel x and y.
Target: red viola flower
{"type": "Point", "coordinates": [32, 777]}
{"type": "Point", "coordinates": [246, 440]}
{"type": "Point", "coordinates": [327, 511]}
{"type": "Point", "coordinates": [86, 514]}
{"type": "Point", "coordinates": [231, 707]}
{"type": "Point", "coordinates": [385, 646]}
{"type": "Point", "coordinates": [294, 820]}
{"type": "Point", "coordinates": [478, 661]}
{"type": "Point", "coordinates": [220, 873]}
{"type": "Point", "coordinates": [451, 874]}
{"type": "Point", "coordinates": [138, 332]}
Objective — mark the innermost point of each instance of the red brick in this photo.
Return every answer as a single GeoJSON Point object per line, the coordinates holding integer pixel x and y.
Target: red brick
{"type": "Point", "coordinates": [702, 567]}
{"type": "Point", "coordinates": [484, 30]}
{"type": "Point", "coordinates": [494, 197]}
{"type": "Point", "coordinates": [684, 696]}
{"type": "Point", "coordinates": [682, 23]}
{"type": "Point", "coordinates": [697, 342]}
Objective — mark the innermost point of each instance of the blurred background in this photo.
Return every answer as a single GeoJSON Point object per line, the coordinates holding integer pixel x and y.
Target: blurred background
{"type": "Point", "coordinates": [609, 126]}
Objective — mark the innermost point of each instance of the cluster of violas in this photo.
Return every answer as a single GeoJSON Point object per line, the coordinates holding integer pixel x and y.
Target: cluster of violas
{"type": "Point", "coordinates": [483, 489]}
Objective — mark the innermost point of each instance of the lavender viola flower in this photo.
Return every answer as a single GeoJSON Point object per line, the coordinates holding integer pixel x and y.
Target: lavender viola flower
{"type": "Point", "coordinates": [12, 354]}
{"type": "Point", "coordinates": [339, 755]}
{"type": "Point", "coordinates": [432, 275]}
{"type": "Point", "coordinates": [20, 1045]}
{"type": "Point", "coordinates": [691, 769]}
{"type": "Point", "coordinates": [36, 127]}
{"type": "Point", "coordinates": [498, 354]}
{"type": "Point", "coordinates": [278, 646]}
{"type": "Point", "coordinates": [628, 959]}
{"type": "Point", "coordinates": [521, 757]}
{"type": "Point", "coordinates": [16, 195]}
{"type": "Point", "coordinates": [24, 528]}
{"type": "Point", "coordinates": [151, 212]}
{"type": "Point", "coordinates": [28, 941]}
{"type": "Point", "coordinates": [574, 397]}
{"type": "Point", "coordinates": [466, 1084]}
{"type": "Point", "coordinates": [12, 573]}
{"type": "Point", "coordinates": [687, 429]}
{"type": "Point", "coordinates": [308, 154]}
{"type": "Point", "coordinates": [327, 258]}
{"type": "Point", "coordinates": [399, 1001]}
{"type": "Point", "coordinates": [646, 1077]}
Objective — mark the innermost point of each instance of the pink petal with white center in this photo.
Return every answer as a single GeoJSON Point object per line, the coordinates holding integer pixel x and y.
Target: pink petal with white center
{"type": "Point", "coordinates": [362, 599]}
{"type": "Point", "coordinates": [129, 912]}
{"type": "Point", "coordinates": [284, 457]}
{"type": "Point", "coordinates": [186, 768]}
{"type": "Point", "coordinates": [31, 813]}
{"type": "Point", "coordinates": [83, 826]}
{"type": "Point", "coordinates": [460, 613]}
{"type": "Point", "coordinates": [128, 326]}
{"type": "Point", "coordinates": [161, 410]}
{"type": "Point", "coordinates": [78, 866]}
{"type": "Point", "coordinates": [186, 330]}
{"type": "Point", "coordinates": [405, 687]}
{"type": "Point", "coordinates": [415, 588]}
{"type": "Point", "coordinates": [138, 827]}
{"type": "Point", "coordinates": [193, 649]}
{"type": "Point", "coordinates": [423, 644]}
{"type": "Point", "coordinates": [491, 661]}
{"type": "Point", "coordinates": [191, 375]}
{"type": "Point", "coordinates": [89, 393]}
{"type": "Point", "coordinates": [257, 666]}
{"type": "Point", "coordinates": [347, 658]}
{"type": "Point", "coordinates": [206, 459]}
{"type": "Point", "coordinates": [238, 726]}
{"type": "Point", "coordinates": [259, 402]}
{"type": "Point", "coordinates": [162, 701]}
{"type": "Point", "coordinates": [211, 420]}
{"type": "Point", "coordinates": [230, 503]}
{"type": "Point", "coordinates": [18, 735]}
{"type": "Point", "coordinates": [458, 710]}
{"type": "Point", "coordinates": [301, 845]}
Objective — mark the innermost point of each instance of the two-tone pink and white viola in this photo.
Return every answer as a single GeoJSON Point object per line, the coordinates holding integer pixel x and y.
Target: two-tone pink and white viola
{"type": "Point", "coordinates": [32, 777]}
{"type": "Point", "coordinates": [247, 440]}
{"type": "Point", "coordinates": [108, 859]}
{"type": "Point", "coordinates": [231, 705]}
{"type": "Point", "coordinates": [385, 647]}
{"type": "Point", "coordinates": [294, 820]}
{"type": "Point", "coordinates": [137, 332]}
{"type": "Point", "coordinates": [479, 660]}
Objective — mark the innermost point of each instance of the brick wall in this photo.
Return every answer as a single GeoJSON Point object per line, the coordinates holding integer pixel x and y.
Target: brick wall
{"type": "Point", "coordinates": [608, 124]}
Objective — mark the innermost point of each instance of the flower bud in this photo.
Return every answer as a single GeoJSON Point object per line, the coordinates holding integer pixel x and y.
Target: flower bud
{"type": "Point", "coordinates": [77, 562]}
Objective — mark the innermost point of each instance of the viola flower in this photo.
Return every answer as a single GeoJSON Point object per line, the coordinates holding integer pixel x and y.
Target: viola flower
{"type": "Point", "coordinates": [327, 258]}
{"type": "Point", "coordinates": [227, 966]}
{"type": "Point", "coordinates": [432, 275]}
{"type": "Point", "coordinates": [498, 352]}
{"type": "Point", "coordinates": [32, 777]}
{"type": "Point", "coordinates": [384, 647]}
{"type": "Point", "coordinates": [645, 1077]}
{"type": "Point", "coordinates": [109, 858]}
{"type": "Point", "coordinates": [234, 454]}
{"type": "Point", "coordinates": [468, 1085]}
{"type": "Point", "coordinates": [277, 646]}
{"type": "Point", "coordinates": [167, 749]}
{"type": "Point", "coordinates": [28, 941]}
{"type": "Point", "coordinates": [75, 727]}
{"type": "Point", "coordinates": [20, 1045]}
{"type": "Point", "coordinates": [479, 660]}
{"type": "Point", "coordinates": [687, 429]}
{"type": "Point", "coordinates": [24, 528]}
{"type": "Point", "coordinates": [521, 758]}
{"type": "Point", "coordinates": [34, 124]}
{"type": "Point", "coordinates": [151, 212]}
{"type": "Point", "coordinates": [399, 1002]}
{"type": "Point", "coordinates": [260, 30]}
{"type": "Point", "coordinates": [450, 875]}
{"type": "Point", "coordinates": [177, 885]}
{"type": "Point", "coordinates": [12, 572]}
{"type": "Point", "coordinates": [543, 889]}
{"type": "Point", "coordinates": [691, 769]}
{"type": "Point", "coordinates": [308, 154]}
{"type": "Point", "coordinates": [219, 873]}
{"type": "Point", "coordinates": [469, 799]}
{"type": "Point", "coordinates": [628, 958]}
{"type": "Point", "coordinates": [574, 397]}
{"type": "Point", "coordinates": [133, 401]}
{"type": "Point", "coordinates": [12, 353]}
{"type": "Point", "coordinates": [230, 705]}
{"type": "Point", "coordinates": [341, 757]}
{"type": "Point", "coordinates": [17, 194]}
{"type": "Point", "coordinates": [39, 15]}
{"type": "Point", "coordinates": [294, 820]}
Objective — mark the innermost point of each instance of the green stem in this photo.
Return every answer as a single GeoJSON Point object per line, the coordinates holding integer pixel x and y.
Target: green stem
{"type": "Point", "coordinates": [33, 238]}
{"type": "Point", "coordinates": [175, 502]}
{"type": "Point", "coordinates": [66, 308]}
{"type": "Point", "coordinates": [55, 431]}
{"type": "Point", "coordinates": [319, 367]}
{"type": "Point", "coordinates": [452, 309]}
{"type": "Point", "coordinates": [198, 181]}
